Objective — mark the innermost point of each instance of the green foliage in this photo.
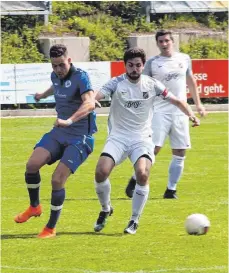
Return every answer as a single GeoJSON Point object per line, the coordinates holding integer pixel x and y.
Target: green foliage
{"type": "Point", "coordinates": [104, 43]}
{"type": "Point", "coordinates": [177, 21]}
{"type": "Point", "coordinates": [141, 26]}
{"type": "Point", "coordinates": [21, 46]}
{"type": "Point", "coordinates": [217, 21]}
{"type": "Point", "coordinates": [108, 24]}
{"type": "Point", "coordinates": [129, 11]}
{"type": "Point", "coordinates": [195, 20]}
{"type": "Point", "coordinates": [10, 24]}
{"type": "Point", "coordinates": [206, 49]}
{"type": "Point", "coordinates": [64, 9]}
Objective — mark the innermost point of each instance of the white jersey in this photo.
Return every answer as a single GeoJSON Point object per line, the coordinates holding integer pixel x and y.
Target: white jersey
{"type": "Point", "coordinates": [132, 105]}
{"type": "Point", "coordinates": [172, 72]}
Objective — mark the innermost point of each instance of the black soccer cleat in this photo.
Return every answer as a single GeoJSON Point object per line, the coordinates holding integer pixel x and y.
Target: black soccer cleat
{"type": "Point", "coordinates": [131, 228]}
{"type": "Point", "coordinates": [130, 187]}
{"type": "Point", "coordinates": [170, 194]}
{"type": "Point", "coordinates": [102, 219]}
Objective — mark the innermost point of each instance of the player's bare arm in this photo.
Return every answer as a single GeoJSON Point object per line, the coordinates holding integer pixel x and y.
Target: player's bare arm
{"type": "Point", "coordinates": [191, 82]}
{"type": "Point", "coordinates": [45, 94]}
{"type": "Point", "coordinates": [97, 104]}
{"type": "Point", "coordinates": [99, 95]}
{"type": "Point", "coordinates": [185, 108]}
{"type": "Point", "coordinates": [87, 106]}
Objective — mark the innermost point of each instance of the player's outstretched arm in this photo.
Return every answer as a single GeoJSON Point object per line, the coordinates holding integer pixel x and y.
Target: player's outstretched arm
{"type": "Point", "coordinates": [97, 103]}
{"type": "Point", "coordinates": [185, 108]}
{"type": "Point", "coordinates": [45, 94]}
{"type": "Point", "coordinates": [191, 82]}
{"type": "Point", "coordinates": [99, 95]}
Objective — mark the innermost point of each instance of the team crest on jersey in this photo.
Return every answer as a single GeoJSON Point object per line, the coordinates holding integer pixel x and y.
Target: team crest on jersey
{"type": "Point", "coordinates": [68, 83]}
{"type": "Point", "coordinates": [181, 65]}
{"type": "Point", "coordinates": [145, 95]}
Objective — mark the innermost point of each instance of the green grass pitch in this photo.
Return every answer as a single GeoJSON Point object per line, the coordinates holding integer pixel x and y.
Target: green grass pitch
{"type": "Point", "coordinates": [160, 244]}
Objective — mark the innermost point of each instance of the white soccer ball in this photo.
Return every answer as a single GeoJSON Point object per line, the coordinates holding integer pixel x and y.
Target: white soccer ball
{"type": "Point", "coordinates": [197, 224]}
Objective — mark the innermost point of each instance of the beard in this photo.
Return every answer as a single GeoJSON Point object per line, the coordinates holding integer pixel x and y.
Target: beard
{"type": "Point", "coordinates": [133, 76]}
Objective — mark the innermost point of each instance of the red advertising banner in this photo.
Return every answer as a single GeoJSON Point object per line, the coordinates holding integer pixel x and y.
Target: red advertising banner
{"type": "Point", "coordinates": [117, 68]}
{"type": "Point", "coordinates": [211, 76]}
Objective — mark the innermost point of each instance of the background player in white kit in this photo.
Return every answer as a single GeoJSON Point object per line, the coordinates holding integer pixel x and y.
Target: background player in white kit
{"type": "Point", "coordinates": [174, 70]}
{"type": "Point", "coordinates": [130, 133]}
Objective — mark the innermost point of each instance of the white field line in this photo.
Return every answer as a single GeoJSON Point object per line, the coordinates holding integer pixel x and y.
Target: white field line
{"type": "Point", "coordinates": [99, 115]}
{"type": "Point", "coordinates": [192, 269]}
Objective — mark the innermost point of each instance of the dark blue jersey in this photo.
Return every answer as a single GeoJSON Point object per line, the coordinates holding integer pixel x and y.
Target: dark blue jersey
{"type": "Point", "coordinates": [67, 93]}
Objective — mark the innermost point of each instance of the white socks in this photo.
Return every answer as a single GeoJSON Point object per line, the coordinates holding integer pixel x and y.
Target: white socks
{"type": "Point", "coordinates": [103, 191]}
{"type": "Point", "coordinates": [175, 171]}
{"type": "Point", "coordinates": [140, 197]}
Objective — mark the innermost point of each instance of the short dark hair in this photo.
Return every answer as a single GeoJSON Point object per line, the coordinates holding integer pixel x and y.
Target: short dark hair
{"type": "Point", "coordinates": [163, 32]}
{"type": "Point", "coordinates": [58, 50]}
{"type": "Point", "coordinates": [134, 52]}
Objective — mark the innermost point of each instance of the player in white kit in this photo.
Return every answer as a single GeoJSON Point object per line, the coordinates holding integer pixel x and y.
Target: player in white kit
{"type": "Point", "coordinates": [130, 133]}
{"type": "Point", "coordinates": [174, 70]}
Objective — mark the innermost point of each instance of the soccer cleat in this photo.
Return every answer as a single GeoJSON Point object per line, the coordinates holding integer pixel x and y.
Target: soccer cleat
{"type": "Point", "coordinates": [101, 221]}
{"type": "Point", "coordinates": [170, 194]}
{"type": "Point", "coordinates": [30, 212]}
{"type": "Point", "coordinates": [47, 233]}
{"type": "Point", "coordinates": [131, 228]}
{"type": "Point", "coordinates": [130, 187]}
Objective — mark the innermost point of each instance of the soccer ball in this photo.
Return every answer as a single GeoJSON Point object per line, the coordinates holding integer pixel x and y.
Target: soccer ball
{"type": "Point", "coordinates": [197, 224]}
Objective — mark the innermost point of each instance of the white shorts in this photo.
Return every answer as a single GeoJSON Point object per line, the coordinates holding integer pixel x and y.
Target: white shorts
{"type": "Point", "coordinates": [174, 126]}
{"type": "Point", "coordinates": [120, 148]}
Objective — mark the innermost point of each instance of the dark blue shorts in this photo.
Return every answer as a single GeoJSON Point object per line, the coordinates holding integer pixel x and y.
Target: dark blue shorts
{"type": "Point", "coordinates": [70, 150]}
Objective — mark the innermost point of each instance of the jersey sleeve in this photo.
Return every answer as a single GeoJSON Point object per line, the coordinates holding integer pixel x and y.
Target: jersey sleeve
{"type": "Point", "coordinates": [84, 83]}
{"type": "Point", "coordinates": [147, 69]}
{"type": "Point", "coordinates": [161, 90]}
{"type": "Point", "coordinates": [189, 66]}
{"type": "Point", "coordinates": [109, 88]}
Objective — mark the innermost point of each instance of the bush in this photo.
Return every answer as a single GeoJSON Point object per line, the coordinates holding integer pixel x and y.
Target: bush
{"type": "Point", "coordinates": [218, 21]}
{"type": "Point", "coordinates": [21, 47]}
{"type": "Point", "coordinates": [104, 45]}
{"type": "Point", "coordinates": [206, 49]}
{"type": "Point", "coordinates": [108, 24]}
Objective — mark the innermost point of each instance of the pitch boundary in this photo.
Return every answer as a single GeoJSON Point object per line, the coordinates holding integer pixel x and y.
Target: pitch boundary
{"type": "Point", "coordinates": [99, 115]}
{"type": "Point", "coordinates": [174, 270]}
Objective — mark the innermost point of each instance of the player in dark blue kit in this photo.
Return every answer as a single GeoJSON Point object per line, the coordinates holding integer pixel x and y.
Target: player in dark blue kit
{"type": "Point", "coordinates": [70, 140]}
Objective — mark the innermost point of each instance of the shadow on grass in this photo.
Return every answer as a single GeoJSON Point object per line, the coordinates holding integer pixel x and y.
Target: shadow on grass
{"type": "Point", "coordinates": [96, 199]}
{"type": "Point", "coordinates": [34, 235]}
{"type": "Point", "coordinates": [92, 233]}
{"type": "Point", "coordinates": [18, 236]}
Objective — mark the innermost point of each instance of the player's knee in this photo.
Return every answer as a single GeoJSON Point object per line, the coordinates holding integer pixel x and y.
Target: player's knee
{"type": "Point", "coordinates": [57, 181]}
{"type": "Point", "coordinates": [179, 152]}
{"type": "Point", "coordinates": [157, 150]}
{"type": "Point", "coordinates": [32, 167]}
{"type": "Point", "coordinates": [101, 174]}
{"type": "Point", "coordinates": [142, 176]}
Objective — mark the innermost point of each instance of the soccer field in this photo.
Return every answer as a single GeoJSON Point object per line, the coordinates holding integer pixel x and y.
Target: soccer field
{"type": "Point", "coordinates": [160, 244]}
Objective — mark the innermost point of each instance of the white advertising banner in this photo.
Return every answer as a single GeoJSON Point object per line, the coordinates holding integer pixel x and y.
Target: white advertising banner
{"type": "Point", "coordinates": [30, 79]}
{"type": "Point", "coordinates": [20, 82]}
{"type": "Point", "coordinates": [99, 73]}
{"type": "Point", "coordinates": [7, 83]}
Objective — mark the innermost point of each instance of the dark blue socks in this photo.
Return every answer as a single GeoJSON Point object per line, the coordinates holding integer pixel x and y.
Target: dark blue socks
{"type": "Point", "coordinates": [33, 185]}
{"type": "Point", "coordinates": [57, 201]}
